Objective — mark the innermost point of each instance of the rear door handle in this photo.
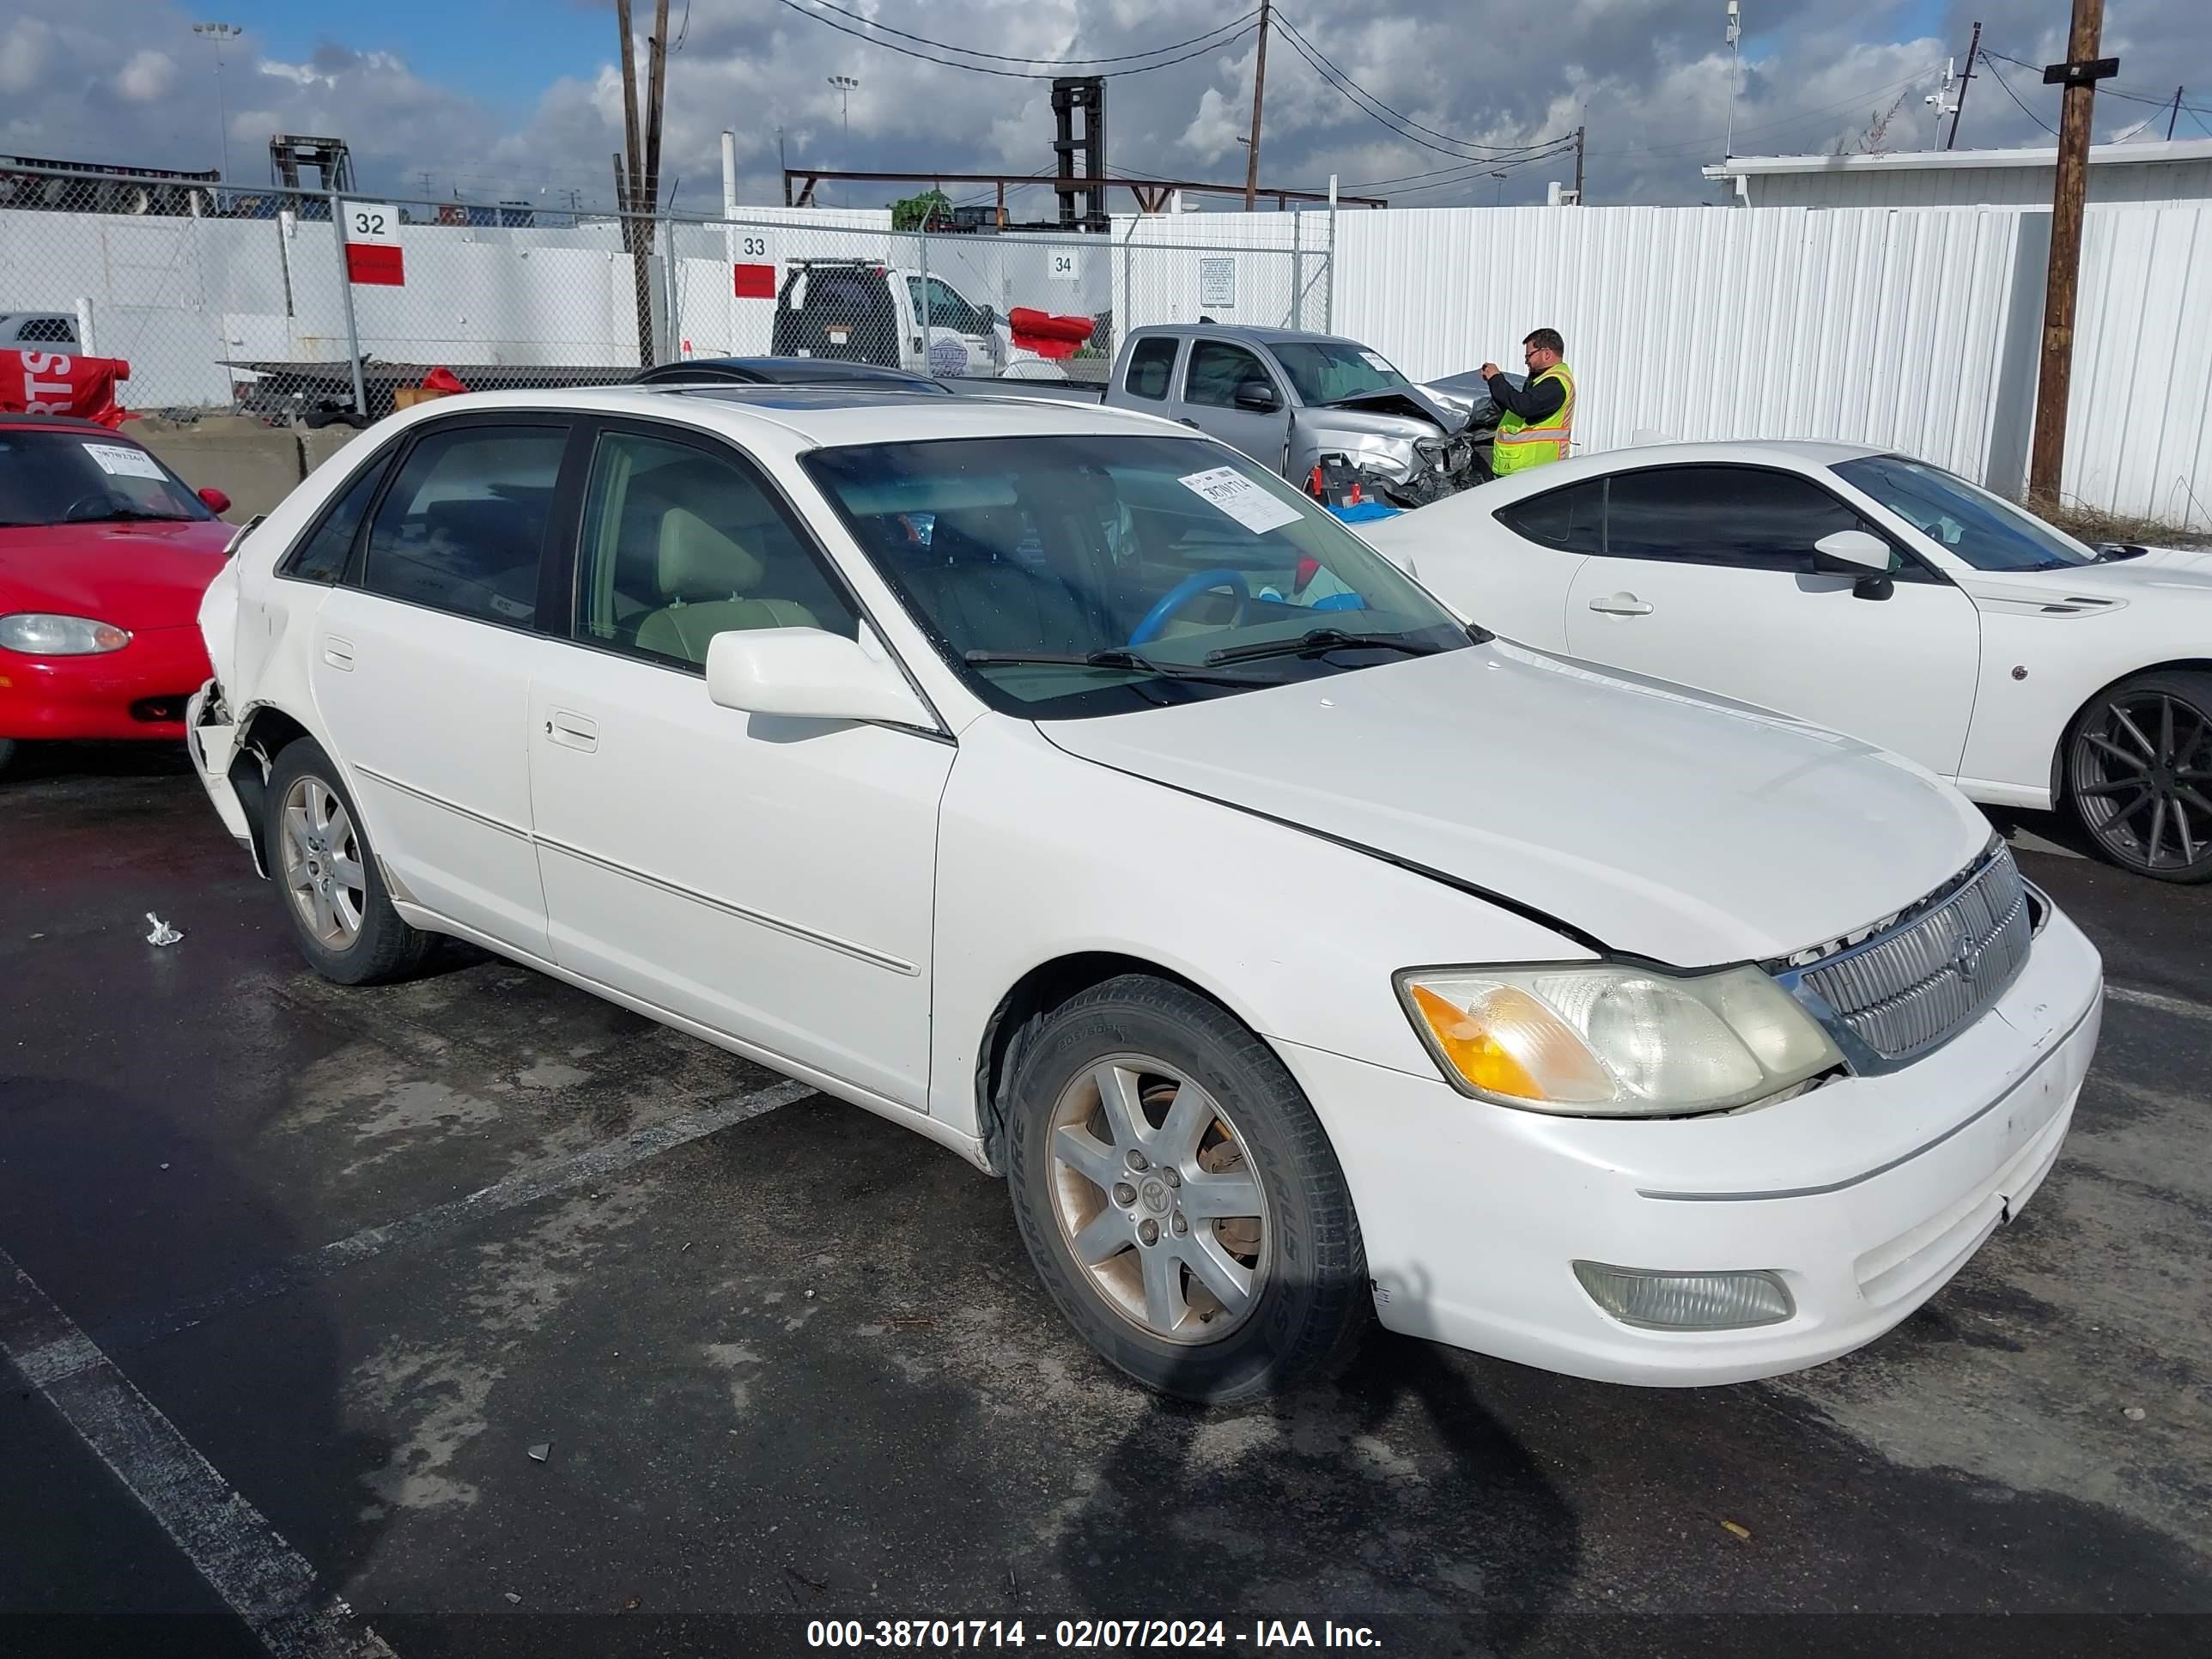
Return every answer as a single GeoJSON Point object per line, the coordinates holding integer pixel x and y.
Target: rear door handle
{"type": "Point", "coordinates": [1621, 604]}
{"type": "Point", "coordinates": [573, 730]}
{"type": "Point", "coordinates": [1186, 421]}
{"type": "Point", "coordinates": [337, 652]}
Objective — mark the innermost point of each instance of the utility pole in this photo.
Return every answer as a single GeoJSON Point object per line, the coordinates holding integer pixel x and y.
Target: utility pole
{"type": "Point", "coordinates": [2079, 76]}
{"type": "Point", "coordinates": [637, 170]}
{"type": "Point", "coordinates": [1259, 86]}
{"type": "Point", "coordinates": [1973, 57]}
{"type": "Point", "coordinates": [1579, 131]}
{"type": "Point", "coordinates": [2176, 116]}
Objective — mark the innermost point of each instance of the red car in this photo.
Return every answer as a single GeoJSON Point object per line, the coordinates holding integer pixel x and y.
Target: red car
{"type": "Point", "coordinates": [104, 554]}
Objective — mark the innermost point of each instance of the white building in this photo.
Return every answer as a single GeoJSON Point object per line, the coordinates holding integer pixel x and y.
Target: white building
{"type": "Point", "coordinates": [2170, 174]}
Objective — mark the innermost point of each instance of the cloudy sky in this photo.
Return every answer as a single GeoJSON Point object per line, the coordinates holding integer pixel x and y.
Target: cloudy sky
{"type": "Point", "coordinates": [506, 98]}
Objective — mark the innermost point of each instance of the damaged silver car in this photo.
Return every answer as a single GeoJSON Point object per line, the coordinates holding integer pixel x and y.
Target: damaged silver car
{"type": "Point", "coordinates": [1325, 410]}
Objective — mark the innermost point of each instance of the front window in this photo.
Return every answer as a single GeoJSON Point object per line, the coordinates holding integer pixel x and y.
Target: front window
{"type": "Point", "coordinates": [50, 478]}
{"type": "Point", "coordinates": [1068, 576]}
{"type": "Point", "coordinates": [1218, 372]}
{"type": "Point", "coordinates": [1330, 371]}
{"type": "Point", "coordinates": [1969, 523]}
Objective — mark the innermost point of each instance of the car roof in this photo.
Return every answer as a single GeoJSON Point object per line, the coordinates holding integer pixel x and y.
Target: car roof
{"type": "Point", "coordinates": [1790, 452]}
{"type": "Point", "coordinates": [1247, 332]}
{"type": "Point", "coordinates": [811, 417]}
{"type": "Point", "coordinates": [778, 371]}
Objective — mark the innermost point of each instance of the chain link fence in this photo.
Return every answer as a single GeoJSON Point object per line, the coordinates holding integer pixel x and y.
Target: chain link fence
{"type": "Point", "coordinates": [297, 306]}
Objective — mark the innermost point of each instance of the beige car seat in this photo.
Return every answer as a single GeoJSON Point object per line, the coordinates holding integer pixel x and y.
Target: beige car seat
{"type": "Point", "coordinates": [706, 580]}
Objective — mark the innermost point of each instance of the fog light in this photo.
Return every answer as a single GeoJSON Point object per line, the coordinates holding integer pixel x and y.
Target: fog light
{"type": "Point", "coordinates": [1686, 1302]}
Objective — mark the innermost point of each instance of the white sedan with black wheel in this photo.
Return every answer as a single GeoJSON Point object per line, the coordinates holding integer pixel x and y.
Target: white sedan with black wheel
{"type": "Point", "coordinates": [1873, 593]}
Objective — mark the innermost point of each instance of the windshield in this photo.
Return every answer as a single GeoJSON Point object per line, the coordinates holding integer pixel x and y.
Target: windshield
{"type": "Point", "coordinates": [1068, 576]}
{"type": "Point", "coordinates": [1328, 371]}
{"type": "Point", "coordinates": [79, 477]}
{"type": "Point", "coordinates": [1985, 531]}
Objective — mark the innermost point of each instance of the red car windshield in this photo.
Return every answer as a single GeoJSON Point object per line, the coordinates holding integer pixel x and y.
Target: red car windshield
{"type": "Point", "coordinates": [51, 478]}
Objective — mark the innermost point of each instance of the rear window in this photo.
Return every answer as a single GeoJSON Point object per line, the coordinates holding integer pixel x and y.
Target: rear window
{"type": "Point", "coordinates": [1152, 366]}
{"type": "Point", "coordinates": [1571, 520]}
{"type": "Point", "coordinates": [463, 526]}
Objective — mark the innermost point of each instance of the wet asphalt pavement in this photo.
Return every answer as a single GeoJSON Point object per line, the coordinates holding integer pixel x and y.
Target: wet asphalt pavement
{"type": "Point", "coordinates": [786, 1362]}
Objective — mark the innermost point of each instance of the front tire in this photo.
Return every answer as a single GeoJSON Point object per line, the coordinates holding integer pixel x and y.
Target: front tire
{"type": "Point", "coordinates": [1179, 1198]}
{"type": "Point", "coordinates": [318, 855]}
{"type": "Point", "coordinates": [7, 753]}
{"type": "Point", "coordinates": [2138, 774]}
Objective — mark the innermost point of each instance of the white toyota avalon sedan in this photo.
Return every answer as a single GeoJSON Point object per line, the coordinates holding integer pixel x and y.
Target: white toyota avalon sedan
{"type": "Point", "coordinates": [1870, 592]}
{"type": "Point", "coordinates": [1061, 785]}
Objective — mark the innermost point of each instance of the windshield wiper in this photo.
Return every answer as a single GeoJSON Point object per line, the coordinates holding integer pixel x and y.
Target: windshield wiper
{"type": "Point", "coordinates": [130, 513]}
{"type": "Point", "coordinates": [1111, 657]}
{"type": "Point", "coordinates": [1315, 640]}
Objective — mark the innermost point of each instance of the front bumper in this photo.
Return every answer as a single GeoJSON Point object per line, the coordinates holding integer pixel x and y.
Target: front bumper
{"type": "Point", "coordinates": [1865, 1195]}
{"type": "Point", "coordinates": [137, 692]}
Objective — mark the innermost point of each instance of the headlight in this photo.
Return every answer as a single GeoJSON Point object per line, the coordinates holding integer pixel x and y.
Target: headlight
{"type": "Point", "coordinates": [35, 634]}
{"type": "Point", "coordinates": [1605, 1041]}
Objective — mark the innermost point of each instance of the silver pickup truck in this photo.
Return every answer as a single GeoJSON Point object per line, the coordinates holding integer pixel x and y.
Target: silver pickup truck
{"type": "Point", "coordinates": [1298, 402]}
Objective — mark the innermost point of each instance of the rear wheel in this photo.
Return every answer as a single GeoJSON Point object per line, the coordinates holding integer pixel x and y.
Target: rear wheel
{"type": "Point", "coordinates": [7, 753]}
{"type": "Point", "coordinates": [2139, 774]}
{"type": "Point", "coordinates": [333, 891]}
{"type": "Point", "coordinates": [1179, 1198]}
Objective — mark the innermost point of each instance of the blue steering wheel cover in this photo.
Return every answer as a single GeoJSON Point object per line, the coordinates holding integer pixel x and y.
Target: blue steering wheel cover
{"type": "Point", "coordinates": [1183, 594]}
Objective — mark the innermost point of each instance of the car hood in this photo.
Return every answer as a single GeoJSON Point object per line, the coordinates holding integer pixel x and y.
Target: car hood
{"type": "Point", "coordinates": [1656, 820]}
{"type": "Point", "coordinates": [1405, 411]}
{"type": "Point", "coordinates": [140, 576]}
{"type": "Point", "coordinates": [2158, 574]}
{"type": "Point", "coordinates": [1349, 419]}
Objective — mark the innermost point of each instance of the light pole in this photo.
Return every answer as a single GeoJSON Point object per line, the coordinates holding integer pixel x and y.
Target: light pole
{"type": "Point", "coordinates": [847, 86]}
{"type": "Point", "coordinates": [1500, 202]}
{"type": "Point", "coordinates": [219, 33]}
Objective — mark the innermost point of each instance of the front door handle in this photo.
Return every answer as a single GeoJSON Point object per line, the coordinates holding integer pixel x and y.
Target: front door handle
{"type": "Point", "coordinates": [573, 730]}
{"type": "Point", "coordinates": [1621, 604]}
{"type": "Point", "coordinates": [1186, 421]}
{"type": "Point", "coordinates": [337, 652]}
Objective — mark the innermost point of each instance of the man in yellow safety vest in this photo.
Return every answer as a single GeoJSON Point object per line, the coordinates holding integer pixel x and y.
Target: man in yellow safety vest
{"type": "Point", "coordinates": [1537, 417]}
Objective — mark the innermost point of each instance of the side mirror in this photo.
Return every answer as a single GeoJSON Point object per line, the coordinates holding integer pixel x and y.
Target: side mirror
{"type": "Point", "coordinates": [216, 501]}
{"type": "Point", "coordinates": [1258, 397]}
{"type": "Point", "coordinates": [807, 674]}
{"type": "Point", "coordinates": [1856, 553]}
{"type": "Point", "coordinates": [1849, 552]}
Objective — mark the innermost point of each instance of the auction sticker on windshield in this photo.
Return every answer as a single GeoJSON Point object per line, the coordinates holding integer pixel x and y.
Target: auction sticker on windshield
{"type": "Point", "coordinates": [120, 461]}
{"type": "Point", "coordinates": [1374, 359]}
{"type": "Point", "coordinates": [1241, 499]}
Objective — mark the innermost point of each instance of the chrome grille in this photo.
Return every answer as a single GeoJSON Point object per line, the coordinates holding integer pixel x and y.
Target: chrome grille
{"type": "Point", "coordinates": [1902, 992]}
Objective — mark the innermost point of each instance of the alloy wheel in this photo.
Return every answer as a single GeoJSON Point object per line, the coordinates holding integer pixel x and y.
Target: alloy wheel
{"type": "Point", "coordinates": [1157, 1199]}
{"type": "Point", "coordinates": [2141, 775]}
{"type": "Point", "coordinates": [323, 870]}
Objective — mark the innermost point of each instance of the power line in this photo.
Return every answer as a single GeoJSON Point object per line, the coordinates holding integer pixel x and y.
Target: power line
{"type": "Point", "coordinates": [1344, 83]}
{"type": "Point", "coordinates": [1214, 39]}
{"type": "Point", "coordinates": [1444, 178]}
{"type": "Point", "coordinates": [2106, 89]}
{"type": "Point", "coordinates": [1997, 77]}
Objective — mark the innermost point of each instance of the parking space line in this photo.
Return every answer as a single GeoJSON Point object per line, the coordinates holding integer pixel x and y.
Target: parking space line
{"type": "Point", "coordinates": [262, 1578]}
{"type": "Point", "coordinates": [524, 1186]}
{"type": "Point", "coordinates": [2165, 1005]}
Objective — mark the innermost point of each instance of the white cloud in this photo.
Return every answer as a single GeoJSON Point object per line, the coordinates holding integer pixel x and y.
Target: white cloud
{"type": "Point", "coordinates": [1646, 76]}
{"type": "Point", "coordinates": [146, 76]}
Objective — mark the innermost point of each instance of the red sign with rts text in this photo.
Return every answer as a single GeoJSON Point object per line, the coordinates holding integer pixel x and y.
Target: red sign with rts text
{"type": "Point", "coordinates": [754, 282]}
{"type": "Point", "coordinates": [60, 383]}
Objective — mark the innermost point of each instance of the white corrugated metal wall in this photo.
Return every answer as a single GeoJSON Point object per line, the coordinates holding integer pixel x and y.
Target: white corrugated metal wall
{"type": "Point", "coordinates": [2170, 183]}
{"type": "Point", "coordinates": [1914, 328]}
